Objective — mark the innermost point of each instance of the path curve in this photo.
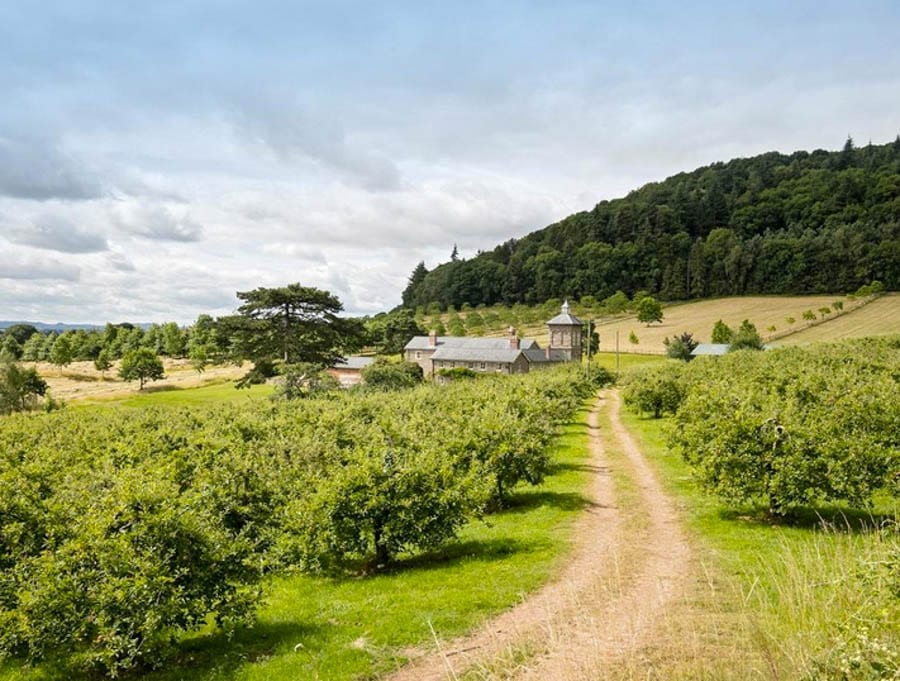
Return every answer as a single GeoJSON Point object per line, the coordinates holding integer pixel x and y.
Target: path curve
{"type": "Point", "coordinates": [606, 599]}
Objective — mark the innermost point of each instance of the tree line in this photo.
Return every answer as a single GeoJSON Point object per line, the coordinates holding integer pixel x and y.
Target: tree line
{"type": "Point", "coordinates": [808, 222]}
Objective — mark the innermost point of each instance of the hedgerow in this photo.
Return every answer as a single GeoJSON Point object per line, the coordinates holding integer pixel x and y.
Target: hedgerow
{"type": "Point", "coordinates": [121, 529]}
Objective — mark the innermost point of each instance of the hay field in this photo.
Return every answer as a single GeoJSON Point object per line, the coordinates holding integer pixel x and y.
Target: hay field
{"type": "Point", "coordinates": [699, 318]}
{"type": "Point", "coordinates": [878, 318]}
{"type": "Point", "coordinates": [80, 380]}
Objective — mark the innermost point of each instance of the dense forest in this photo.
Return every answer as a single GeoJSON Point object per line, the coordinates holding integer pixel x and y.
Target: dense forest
{"type": "Point", "coordinates": [809, 222]}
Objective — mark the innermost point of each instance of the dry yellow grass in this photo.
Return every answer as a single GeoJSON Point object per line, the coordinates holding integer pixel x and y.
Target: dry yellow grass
{"type": "Point", "coordinates": [878, 318]}
{"type": "Point", "coordinates": [80, 380]}
{"type": "Point", "coordinates": [698, 318]}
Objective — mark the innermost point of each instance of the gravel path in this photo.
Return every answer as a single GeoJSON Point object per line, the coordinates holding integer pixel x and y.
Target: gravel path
{"type": "Point", "coordinates": [605, 601]}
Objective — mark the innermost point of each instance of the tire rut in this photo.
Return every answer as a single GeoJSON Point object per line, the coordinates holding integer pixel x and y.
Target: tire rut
{"type": "Point", "coordinates": [604, 602]}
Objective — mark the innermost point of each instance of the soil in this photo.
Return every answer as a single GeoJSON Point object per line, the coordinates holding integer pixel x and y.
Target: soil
{"type": "Point", "coordinates": [622, 574]}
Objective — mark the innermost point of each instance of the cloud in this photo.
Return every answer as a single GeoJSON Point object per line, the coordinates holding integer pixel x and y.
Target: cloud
{"type": "Point", "coordinates": [12, 267]}
{"type": "Point", "coordinates": [57, 233]}
{"type": "Point", "coordinates": [120, 262]}
{"type": "Point", "coordinates": [291, 132]}
{"type": "Point", "coordinates": [156, 222]}
{"type": "Point", "coordinates": [38, 170]}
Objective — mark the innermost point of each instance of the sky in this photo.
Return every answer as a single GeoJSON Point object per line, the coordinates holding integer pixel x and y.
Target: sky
{"type": "Point", "coordinates": [155, 158]}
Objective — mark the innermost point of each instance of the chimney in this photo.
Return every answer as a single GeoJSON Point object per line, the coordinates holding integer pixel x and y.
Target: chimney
{"type": "Point", "coordinates": [513, 339]}
{"type": "Point", "coordinates": [432, 338]}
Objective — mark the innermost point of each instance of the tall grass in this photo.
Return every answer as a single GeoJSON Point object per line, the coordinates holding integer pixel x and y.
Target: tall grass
{"type": "Point", "coordinates": [819, 600]}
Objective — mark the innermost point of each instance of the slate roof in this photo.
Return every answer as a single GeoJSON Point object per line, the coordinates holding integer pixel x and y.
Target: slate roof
{"type": "Point", "coordinates": [536, 355]}
{"type": "Point", "coordinates": [461, 342]}
{"type": "Point", "coordinates": [355, 362]}
{"type": "Point", "coordinates": [564, 318]}
{"type": "Point", "coordinates": [477, 354]}
{"type": "Point", "coordinates": [710, 349]}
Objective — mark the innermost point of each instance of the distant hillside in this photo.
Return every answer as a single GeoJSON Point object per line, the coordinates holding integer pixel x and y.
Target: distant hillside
{"type": "Point", "coordinates": [58, 327]}
{"type": "Point", "coordinates": [819, 222]}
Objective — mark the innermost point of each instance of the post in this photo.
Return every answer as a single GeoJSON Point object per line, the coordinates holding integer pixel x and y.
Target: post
{"type": "Point", "coordinates": [617, 352]}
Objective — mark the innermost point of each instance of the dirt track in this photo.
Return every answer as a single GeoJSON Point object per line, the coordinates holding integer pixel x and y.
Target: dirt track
{"type": "Point", "coordinates": [621, 576]}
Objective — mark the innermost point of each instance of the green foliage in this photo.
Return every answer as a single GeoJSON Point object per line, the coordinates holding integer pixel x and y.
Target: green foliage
{"type": "Point", "coordinates": [62, 353]}
{"type": "Point", "coordinates": [122, 529]}
{"type": "Point", "coordinates": [793, 426]}
{"type": "Point", "coordinates": [304, 380]}
{"type": "Point", "coordinates": [103, 362]}
{"type": "Point", "coordinates": [141, 365]}
{"type": "Point", "coordinates": [632, 338]}
{"type": "Point", "coordinates": [722, 333]}
{"type": "Point", "coordinates": [20, 389]}
{"type": "Point", "coordinates": [655, 391]}
{"type": "Point", "coordinates": [392, 375]}
{"type": "Point", "coordinates": [809, 315]}
{"type": "Point", "coordinates": [293, 323]}
{"type": "Point", "coordinates": [808, 222]}
{"type": "Point", "coordinates": [390, 332]}
{"type": "Point", "coordinates": [616, 303]}
{"type": "Point", "coordinates": [680, 347]}
{"type": "Point", "coordinates": [458, 373]}
{"type": "Point", "coordinates": [746, 338]}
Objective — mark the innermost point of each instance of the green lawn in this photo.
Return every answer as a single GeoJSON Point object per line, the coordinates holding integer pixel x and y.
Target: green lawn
{"type": "Point", "coordinates": [809, 600]}
{"type": "Point", "coordinates": [355, 628]}
{"type": "Point", "coordinates": [216, 392]}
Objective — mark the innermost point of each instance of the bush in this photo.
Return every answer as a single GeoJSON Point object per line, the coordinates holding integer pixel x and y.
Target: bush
{"type": "Point", "coordinates": [392, 376]}
{"type": "Point", "coordinates": [303, 380]}
{"type": "Point", "coordinates": [746, 338]}
{"type": "Point", "coordinates": [680, 347]}
{"type": "Point", "coordinates": [656, 392]}
{"type": "Point", "coordinates": [794, 427]}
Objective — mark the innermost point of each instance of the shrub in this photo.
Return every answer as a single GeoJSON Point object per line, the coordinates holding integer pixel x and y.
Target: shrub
{"type": "Point", "coordinates": [392, 376]}
{"type": "Point", "coordinates": [680, 347]}
{"type": "Point", "coordinates": [656, 392]}
{"type": "Point", "coordinates": [20, 389]}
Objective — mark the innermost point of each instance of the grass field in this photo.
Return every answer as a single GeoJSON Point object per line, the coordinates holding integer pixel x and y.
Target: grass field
{"type": "Point", "coordinates": [351, 628]}
{"type": "Point", "coordinates": [878, 318]}
{"type": "Point", "coordinates": [810, 600]}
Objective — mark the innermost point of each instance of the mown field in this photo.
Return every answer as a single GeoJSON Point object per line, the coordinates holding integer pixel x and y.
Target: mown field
{"type": "Point", "coordinates": [878, 318]}
{"type": "Point", "coordinates": [772, 316]}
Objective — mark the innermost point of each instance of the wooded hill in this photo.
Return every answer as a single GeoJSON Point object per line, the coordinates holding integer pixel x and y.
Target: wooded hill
{"type": "Point", "coordinates": [808, 222]}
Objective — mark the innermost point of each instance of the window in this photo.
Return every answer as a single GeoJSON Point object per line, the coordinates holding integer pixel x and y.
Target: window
{"type": "Point", "coordinates": [483, 365]}
{"type": "Point", "coordinates": [418, 354]}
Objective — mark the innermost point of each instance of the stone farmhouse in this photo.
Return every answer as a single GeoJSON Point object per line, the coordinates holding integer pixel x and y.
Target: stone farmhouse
{"type": "Point", "coordinates": [510, 355]}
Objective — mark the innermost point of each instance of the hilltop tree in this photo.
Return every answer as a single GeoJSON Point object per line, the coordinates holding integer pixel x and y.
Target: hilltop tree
{"type": "Point", "coordinates": [293, 323]}
{"type": "Point", "coordinates": [417, 277]}
{"type": "Point", "coordinates": [141, 365]}
{"type": "Point", "coordinates": [649, 310]}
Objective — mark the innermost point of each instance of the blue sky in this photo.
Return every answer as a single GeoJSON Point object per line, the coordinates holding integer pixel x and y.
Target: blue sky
{"type": "Point", "coordinates": [157, 157]}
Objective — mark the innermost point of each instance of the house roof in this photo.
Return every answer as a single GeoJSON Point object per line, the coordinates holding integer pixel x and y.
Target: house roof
{"type": "Point", "coordinates": [564, 318]}
{"type": "Point", "coordinates": [536, 355]}
{"type": "Point", "coordinates": [710, 349]}
{"type": "Point", "coordinates": [457, 354]}
{"type": "Point", "coordinates": [355, 362]}
{"type": "Point", "coordinates": [463, 342]}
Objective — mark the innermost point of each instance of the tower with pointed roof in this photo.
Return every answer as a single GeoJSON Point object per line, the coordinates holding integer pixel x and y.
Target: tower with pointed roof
{"type": "Point", "coordinates": [565, 335]}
